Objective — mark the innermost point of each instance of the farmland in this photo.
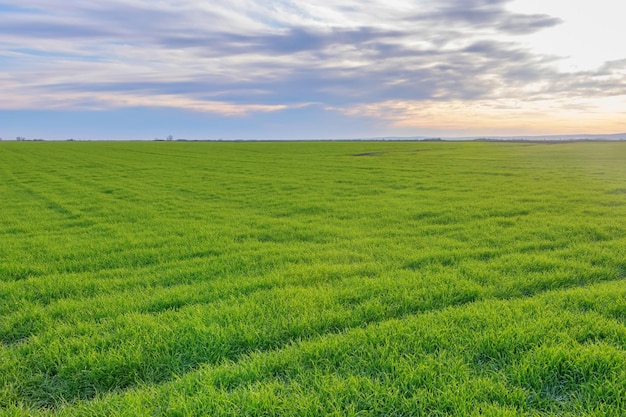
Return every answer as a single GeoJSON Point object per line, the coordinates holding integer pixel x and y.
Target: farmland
{"type": "Point", "coordinates": [334, 278]}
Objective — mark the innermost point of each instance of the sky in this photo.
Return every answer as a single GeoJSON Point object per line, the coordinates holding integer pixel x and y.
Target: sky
{"type": "Point", "coordinates": [310, 69]}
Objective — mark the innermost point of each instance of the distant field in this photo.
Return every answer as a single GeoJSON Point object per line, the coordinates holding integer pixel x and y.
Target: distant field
{"type": "Point", "coordinates": [369, 279]}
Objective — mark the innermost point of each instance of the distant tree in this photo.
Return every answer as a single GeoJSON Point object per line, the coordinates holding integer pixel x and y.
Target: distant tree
{"type": "Point", "coordinates": [170, 138]}
{"type": "Point", "coordinates": [20, 139]}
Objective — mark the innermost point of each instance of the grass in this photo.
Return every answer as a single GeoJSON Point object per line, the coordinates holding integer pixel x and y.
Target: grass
{"type": "Point", "coordinates": [312, 279]}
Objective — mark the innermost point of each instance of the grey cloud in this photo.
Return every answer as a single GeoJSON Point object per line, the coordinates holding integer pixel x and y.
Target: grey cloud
{"type": "Point", "coordinates": [612, 66]}
{"type": "Point", "coordinates": [413, 62]}
{"type": "Point", "coordinates": [459, 74]}
{"type": "Point", "coordinates": [487, 14]}
{"type": "Point", "coordinates": [519, 24]}
{"type": "Point", "coordinates": [609, 80]}
{"type": "Point", "coordinates": [288, 41]}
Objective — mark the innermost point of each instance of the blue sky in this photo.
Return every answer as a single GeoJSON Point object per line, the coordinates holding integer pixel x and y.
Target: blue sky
{"type": "Point", "coordinates": [282, 69]}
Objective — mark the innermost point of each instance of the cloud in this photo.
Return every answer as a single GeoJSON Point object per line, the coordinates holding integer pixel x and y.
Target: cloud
{"type": "Point", "coordinates": [519, 24]}
{"type": "Point", "coordinates": [486, 15]}
{"type": "Point", "coordinates": [78, 100]}
{"type": "Point", "coordinates": [362, 58]}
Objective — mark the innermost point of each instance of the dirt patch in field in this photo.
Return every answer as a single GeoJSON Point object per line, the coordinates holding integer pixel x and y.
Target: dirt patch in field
{"type": "Point", "coordinates": [393, 151]}
{"type": "Point", "coordinates": [368, 154]}
{"type": "Point", "coordinates": [617, 191]}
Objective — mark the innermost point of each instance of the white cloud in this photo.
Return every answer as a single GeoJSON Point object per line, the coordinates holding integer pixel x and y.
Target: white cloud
{"type": "Point", "coordinates": [412, 64]}
{"type": "Point", "coordinates": [591, 33]}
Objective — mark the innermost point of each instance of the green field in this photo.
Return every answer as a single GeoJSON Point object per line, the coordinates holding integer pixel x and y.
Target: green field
{"type": "Point", "coordinates": [334, 278]}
